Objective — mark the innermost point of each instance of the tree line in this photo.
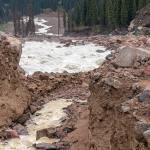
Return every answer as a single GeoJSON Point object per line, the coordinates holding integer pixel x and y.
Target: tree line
{"type": "Point", "coordinates": [92, 13]}
{"type": "Point", "coordinates": [108, 13]}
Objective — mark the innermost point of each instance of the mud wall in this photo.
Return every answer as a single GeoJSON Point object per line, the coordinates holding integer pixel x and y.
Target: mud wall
{"type": "Point", "coordinates": [119, 108]}
{"type": "Point", "coordinates": [14, 97]}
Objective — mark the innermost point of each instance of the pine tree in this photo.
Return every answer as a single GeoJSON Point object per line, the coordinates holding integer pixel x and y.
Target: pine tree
{"type": "Point", "coordinates": [124, 13]}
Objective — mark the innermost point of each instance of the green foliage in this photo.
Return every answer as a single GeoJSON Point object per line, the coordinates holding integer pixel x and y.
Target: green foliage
{"type": "Point", "coordinates": [104, 13]}
{"type": "Point", "coordinates": [108, 13]}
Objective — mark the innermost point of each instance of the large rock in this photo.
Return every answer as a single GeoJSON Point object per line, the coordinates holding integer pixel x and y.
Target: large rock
{"type": "Point", "coordinates": [128, 55]}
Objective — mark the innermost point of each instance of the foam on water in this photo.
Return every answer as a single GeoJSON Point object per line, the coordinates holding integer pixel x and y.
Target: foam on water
{"type": "Point", "coordinates": [54, 57]}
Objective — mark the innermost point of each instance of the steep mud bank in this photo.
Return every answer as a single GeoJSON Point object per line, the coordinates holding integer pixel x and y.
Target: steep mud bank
{"type": "Point", "coordinates": [14, 97]}
{"type": "Point", "coordinates": [118, 103]}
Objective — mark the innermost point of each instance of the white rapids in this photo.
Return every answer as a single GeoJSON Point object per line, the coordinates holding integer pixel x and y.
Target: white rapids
{"type": "Point", "coordinates": [43, 27]}
{"type": "Point", "coordinates": [49, 116]}
{"type": "Point", "coordinates": [54, 57]}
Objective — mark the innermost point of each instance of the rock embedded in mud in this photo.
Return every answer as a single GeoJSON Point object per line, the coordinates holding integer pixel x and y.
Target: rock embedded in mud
{"type": "Point", "coordinates": [68, 129]}
{"type": "Point", "coordinates": [144, 96]}
{"type": "Point", "coordinates": [23, 118]}
{"type": "Point", "coordinates": [147, 137]}
{"type": "Point", "coordinates": [11, 134]}
{"type": "Point", "coordinates": [46, 146]}
{"type": "Point", "coordinates": [109, 57]}
{"type": "Point", "coordinates": [112, 82]}
{"type": "Point", "coordinates": [140, 128]}
{"type": "Point", "coordinates": [33, 108]}
{"type": "Point", "coordinates": [125, 108]}
{"type": "Point", "coordinates": [21, 130]}
{"type": "Point", "coordinates": [49, 132]}
{"type": "Point", "coordinates": [99, 51]}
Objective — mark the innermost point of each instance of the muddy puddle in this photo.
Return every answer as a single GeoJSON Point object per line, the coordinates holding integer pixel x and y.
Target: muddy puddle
{"type": "Point", "coordinates": [49, 116]}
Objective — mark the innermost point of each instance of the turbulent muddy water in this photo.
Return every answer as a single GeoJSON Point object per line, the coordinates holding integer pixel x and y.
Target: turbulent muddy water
{"type": "Point", "coordinates": [54, 57]}
{"type": "Point", "coordinates": [49, 116]}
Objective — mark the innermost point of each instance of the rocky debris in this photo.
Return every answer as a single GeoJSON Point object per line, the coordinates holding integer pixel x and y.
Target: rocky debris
{"type": "Point", "coordinates": [140, 128]}
{"type": "Point", "coordinates": [55, 133]}
{"type": "Point", "coordinates": [20, 129]}
{"type": "Point", "coordinates": [23, 118]}
{"type": "Point", "coordinates": [125, 107]}
{"type": "Point", "coordinates": [99, 51]}
{"type": "Point", "coordinates": [119, 102]}
{"type": "Point", "coordinates": [14, 96]}
{"type": "Point", "coordinates": [34, 108]}
{"type": "Point", "coordinates": [141, 23]}
{"type": "Point", "coordinates": [112, 82]}
{"type": "Point", "coordinates": [46, 146]}
{"type": "Point", "coordinates": [50, 133]}
{"type": "Point", "coordinates": [42, 84]}
{"type": "Point", "coordinates": [10, 134]}
{"type": "Point", "coordinates": [144, 96]}
{"type": "Point", "coordinates": [147, 137]}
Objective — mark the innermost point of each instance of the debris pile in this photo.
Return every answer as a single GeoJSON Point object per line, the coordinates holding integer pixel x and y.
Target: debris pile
{"type": "Point", "coordinates": [119, 104]}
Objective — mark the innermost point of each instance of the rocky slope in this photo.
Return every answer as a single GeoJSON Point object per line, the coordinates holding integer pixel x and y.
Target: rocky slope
{"type": "Point", "coordinates": [14, 97]}
{"type": "Point", "coordinates": [141, 23]}
{"type": "Point", "coordinates": [120, 101]}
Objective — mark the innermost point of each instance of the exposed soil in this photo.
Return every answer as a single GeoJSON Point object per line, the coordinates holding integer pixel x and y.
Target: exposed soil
{"type": "Point", "coordinates": [14, 96]}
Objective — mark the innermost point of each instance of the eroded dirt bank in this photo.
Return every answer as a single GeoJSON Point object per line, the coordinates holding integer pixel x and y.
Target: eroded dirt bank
{"type": "Point", "coordinates": [14, 96]}
{"type": "Point", "coordinates": [119, 102]}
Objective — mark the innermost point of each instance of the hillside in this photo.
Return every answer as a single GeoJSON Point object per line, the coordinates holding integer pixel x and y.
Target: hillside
{"type": "Point", "coordinates": [141, 23]}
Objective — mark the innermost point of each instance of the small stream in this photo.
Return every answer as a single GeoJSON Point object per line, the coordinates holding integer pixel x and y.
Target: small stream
{"type": "Point", "coordinates": [49, 116]}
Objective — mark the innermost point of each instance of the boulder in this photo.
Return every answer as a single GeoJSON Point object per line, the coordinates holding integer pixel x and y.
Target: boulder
{"type": "Point", "coordinates": [127, 56]}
